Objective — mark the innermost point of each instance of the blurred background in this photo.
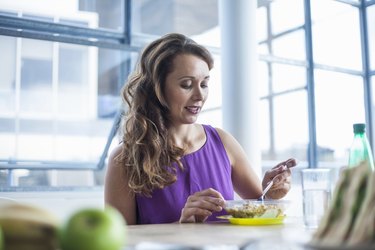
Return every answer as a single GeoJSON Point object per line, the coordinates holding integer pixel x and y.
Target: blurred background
{"type": "Point", "coordinates": [63, 63]}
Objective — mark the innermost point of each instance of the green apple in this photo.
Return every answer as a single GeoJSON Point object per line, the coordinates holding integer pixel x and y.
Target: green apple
{"type": "Point", "coordinates": [94, 229]}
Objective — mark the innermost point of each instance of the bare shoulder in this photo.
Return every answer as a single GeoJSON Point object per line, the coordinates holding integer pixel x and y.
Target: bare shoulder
{"type": "Point", "coordinates": [116, 151]}
{"type": "Point", "coordinates": [115, 171]}
{"type": "Point", "coordinates": [232, 147]}
{"type": "Point", "coordinates": [225, 136]}
{"type": "Point", "coordinates": [113, 156]}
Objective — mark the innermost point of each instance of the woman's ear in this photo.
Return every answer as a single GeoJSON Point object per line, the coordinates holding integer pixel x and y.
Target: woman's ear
{"type": "Point", "coordinates": [160, 96]}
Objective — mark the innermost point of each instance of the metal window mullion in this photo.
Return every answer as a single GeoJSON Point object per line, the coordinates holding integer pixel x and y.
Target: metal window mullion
{"type": "Point", "coordinates": [338, 69]}
{"type": "Point", "coordinates": [354, 3]}
{"type": "Point", "coordinates": [284, 33]}
{"type": "Point", "coordinates": [281, 93]}
{"type": "Point", "coordinates": [282, 60]}
{"type": "Point", "coordinates": [368, 3]}
{"type": "Point", "coordinates": [127, 22]}
{"type": "Point", "coordinates": [112, 134]}
{"type": "Point", "coordinates": [68, 39]}
{"type": "Point", "coordinates": [46, 165]}
{"type": "Point", "coordinates": [57, 28]}
{"type": "Point", "coordinates": [313, 148]}
{"type": "Point", "coordinates": [366, 72]}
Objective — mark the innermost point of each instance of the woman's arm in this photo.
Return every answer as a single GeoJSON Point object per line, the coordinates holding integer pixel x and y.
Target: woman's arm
{"type": "Point", "coordinates": [116, 190]}
{"type": "Point", "coordinates": [245, 181]}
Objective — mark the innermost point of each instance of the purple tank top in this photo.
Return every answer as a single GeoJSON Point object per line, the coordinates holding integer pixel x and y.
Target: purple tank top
{"type": "Point", "coordinates": [208, 167]}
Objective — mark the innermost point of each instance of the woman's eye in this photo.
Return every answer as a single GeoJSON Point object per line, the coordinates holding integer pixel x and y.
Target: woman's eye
{"type": "Point", "coordinates": [185, 86]}
{"type": "Point", "coordinates": [204, 85]}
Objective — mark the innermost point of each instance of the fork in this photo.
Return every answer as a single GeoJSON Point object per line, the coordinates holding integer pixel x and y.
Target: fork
{"type": "Point", "coordinates": [261, 198]}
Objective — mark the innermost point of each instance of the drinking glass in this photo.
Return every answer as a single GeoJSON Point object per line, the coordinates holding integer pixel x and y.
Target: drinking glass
{"type": "Point", "coordinates": [316, 188]}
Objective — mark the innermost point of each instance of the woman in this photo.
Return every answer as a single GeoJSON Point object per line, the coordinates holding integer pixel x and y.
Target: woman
{"type": "Point", "coordinates": [169, 168]}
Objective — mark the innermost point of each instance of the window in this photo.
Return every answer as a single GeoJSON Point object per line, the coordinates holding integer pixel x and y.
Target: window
{"type": "Point", "coordinates": [332, 96]}
{"type": "Point", "coordinates": [282, 79]}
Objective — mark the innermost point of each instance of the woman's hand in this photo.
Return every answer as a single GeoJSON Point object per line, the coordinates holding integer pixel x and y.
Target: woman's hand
{"type": "Point", "coordinates": [201, 205]}
{"type": "Point", "coordinates": [281, 176]}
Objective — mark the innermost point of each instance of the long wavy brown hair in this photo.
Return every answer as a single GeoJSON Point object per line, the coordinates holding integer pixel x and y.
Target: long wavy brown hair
{"type": "Point", "coordinates": [148, 152]}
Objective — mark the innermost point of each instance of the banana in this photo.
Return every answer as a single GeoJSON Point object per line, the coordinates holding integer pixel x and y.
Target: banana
{"type": "Point", "coordinates": [27, 226]}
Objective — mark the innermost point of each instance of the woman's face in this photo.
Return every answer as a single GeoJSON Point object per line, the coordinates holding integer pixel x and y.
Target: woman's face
{"type": "Point", "coordinates": [186, 88]}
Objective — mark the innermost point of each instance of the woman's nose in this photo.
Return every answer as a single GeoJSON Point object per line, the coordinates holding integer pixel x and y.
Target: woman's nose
{"type": "Point", "coordinates": [198, 93]}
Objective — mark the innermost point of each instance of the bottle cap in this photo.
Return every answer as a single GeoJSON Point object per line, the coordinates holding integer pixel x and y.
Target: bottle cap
{"type": "Point", "coordinates": [359, 128]}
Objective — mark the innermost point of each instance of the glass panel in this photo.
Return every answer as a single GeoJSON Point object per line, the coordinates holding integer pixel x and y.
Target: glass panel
{"type": "Point", "coordinates": [291, 126]}
{"type": "Point", "coordinates": [94, 14]}
{"type": "Point", "coordinates": [194, 18]}
{"type": "Point", "coordinates": [291, 46]}
{"type": "Point", "coordinates": [68, 96]}
{"type": "Point", "coordinates": [74, 82]}
{"type": "Point", "coordinates": [288, 77]}
{"type": "Point", "coordinates": [265, 132]}
{"type": "Point", "coordinates": [262, 78]}
{"type": "Point", "coordinates": [263, 49]}
{"type": "Point", "coordinates": [281, 20]}
{"type": "Point", "coordinates": [336, 111]}
{"type": "Point", "coordinates": [336, 34]}
{"type": "Point", "coordinates": [7, 76]}
{"type": "Point", "coordinates": [4, 178]}
{"type": "Point", "coordinates": [261, 23]}
{"type": "Point", "coordinates": [371, 34]}
{"type": "Point", "coordinates": [36, 78]}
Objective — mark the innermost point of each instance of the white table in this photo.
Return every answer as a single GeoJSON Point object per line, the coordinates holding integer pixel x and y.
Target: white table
{"type": "Point", "coordinates": [221, 236]}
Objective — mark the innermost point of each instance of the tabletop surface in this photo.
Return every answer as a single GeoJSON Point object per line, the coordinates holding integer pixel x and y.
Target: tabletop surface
{"type": "Point", "coordinates": [290, 235]}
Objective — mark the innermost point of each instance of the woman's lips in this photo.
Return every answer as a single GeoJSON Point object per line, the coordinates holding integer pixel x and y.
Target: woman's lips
{"type": "Point", "coordinates": [193, 109]}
